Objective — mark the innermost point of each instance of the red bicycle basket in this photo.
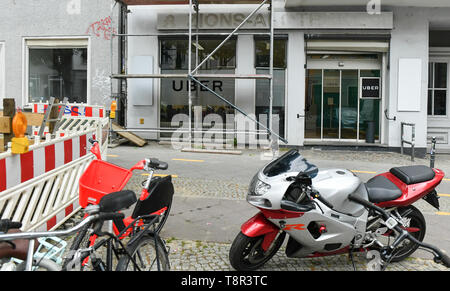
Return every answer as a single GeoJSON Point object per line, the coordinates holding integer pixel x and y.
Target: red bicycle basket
{"type": "Point", "coordinates": [99, 179]}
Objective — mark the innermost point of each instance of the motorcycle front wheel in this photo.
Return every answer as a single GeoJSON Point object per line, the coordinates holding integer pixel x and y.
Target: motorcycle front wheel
{"type": "Point", "coordinates": [246, 253]}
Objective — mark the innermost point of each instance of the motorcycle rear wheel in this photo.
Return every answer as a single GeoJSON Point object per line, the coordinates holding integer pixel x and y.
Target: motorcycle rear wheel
{"type": "Point", "coordinates": [416, 221]}
{"type": "Point", "coordinates": [246, 253]}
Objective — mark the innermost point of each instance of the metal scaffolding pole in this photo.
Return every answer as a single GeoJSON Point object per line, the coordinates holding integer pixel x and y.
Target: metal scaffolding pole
{"type": "Point", "coordinates": [189, 71]}
{"type": "Point", "coordinates": [227, 38]}
{"type": "Point", "coordinates": [192, 75]}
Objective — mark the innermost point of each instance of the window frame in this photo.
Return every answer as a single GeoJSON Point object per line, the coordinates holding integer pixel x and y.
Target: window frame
{"type": "Point", "coordinates": [284, 37]}
{"type": "Point", "coordinates": [67, 42]}
{"type": "Point", "coordinates": [201, 38]}
{"type": "Point", "coordinates": [433, 61]}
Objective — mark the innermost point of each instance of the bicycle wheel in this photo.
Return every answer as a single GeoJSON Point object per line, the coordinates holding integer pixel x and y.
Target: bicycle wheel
{"type": "Point", "coordinates": [80, 241]}
{"type": "Point", "coordinates": [146, 255]}
{"type": "Point", "coordinates": [40, 265]}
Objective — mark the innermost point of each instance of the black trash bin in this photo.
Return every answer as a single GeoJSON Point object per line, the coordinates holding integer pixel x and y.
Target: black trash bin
{"type": "Point", "coordinates": [370, 132]}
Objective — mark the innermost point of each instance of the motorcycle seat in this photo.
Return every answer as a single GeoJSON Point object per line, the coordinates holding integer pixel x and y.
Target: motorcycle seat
{"type": "Point", "coordinates": [413, 174]}
{"type": "Point", "coordinates": [380, 189]}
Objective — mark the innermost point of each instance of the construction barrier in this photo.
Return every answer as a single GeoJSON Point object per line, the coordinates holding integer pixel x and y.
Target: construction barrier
{"type": "Point", "coordinates": [40, 188]}
{"type": "Point", "coordinates": [73, 109]}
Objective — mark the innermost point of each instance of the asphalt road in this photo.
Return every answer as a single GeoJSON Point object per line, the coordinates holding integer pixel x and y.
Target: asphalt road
{"type": "Point", "coordinates": [204, 208]}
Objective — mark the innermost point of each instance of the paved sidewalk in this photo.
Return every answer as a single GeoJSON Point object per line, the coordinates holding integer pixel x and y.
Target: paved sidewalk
{"type": "Point", "coordinates": [209, 204]}
{"type": "Point", "coordinates": [209, 256]}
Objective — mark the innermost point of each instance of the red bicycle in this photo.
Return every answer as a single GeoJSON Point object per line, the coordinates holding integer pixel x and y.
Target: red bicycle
{"type": "Point", "coordinates": [102, 179]}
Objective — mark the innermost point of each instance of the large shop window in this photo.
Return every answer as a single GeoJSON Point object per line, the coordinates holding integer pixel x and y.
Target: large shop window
{"type": "Point", "coordinates": [437, 88]}
{"type": "Point", "coordinates": [57, 70]}
{"type": "Point", "coordinates": [262, 63]}
{"type": "Point", "coordinates": [174, 92]}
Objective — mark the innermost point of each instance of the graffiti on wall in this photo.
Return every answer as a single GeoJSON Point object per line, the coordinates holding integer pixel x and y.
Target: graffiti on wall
{"type": "Point", "coordinates": [102, 28]}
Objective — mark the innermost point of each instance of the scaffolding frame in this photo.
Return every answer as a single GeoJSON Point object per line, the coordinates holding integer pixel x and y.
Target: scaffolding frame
{"type": "Point", "coordinates": [192, 75]}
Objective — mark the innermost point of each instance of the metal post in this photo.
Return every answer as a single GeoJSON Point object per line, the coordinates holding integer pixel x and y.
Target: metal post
{"type": "Point", "coordinates": [274, 147]}
{"type": "Point", "coordinates": [413, 137]}
{"type": "Point", "coordinates": [189, 72]}
{"type": "Point", "coordinates": [29, 261]}
{"type": "Point", "coordinates": [433, 152]}
{"type": "Point", "coordinates": [235, 107]}
{"type": "Point", "coordinates": [401, 138]}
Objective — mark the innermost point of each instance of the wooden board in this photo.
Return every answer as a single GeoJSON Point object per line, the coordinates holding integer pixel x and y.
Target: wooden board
{"type": "Point", "coordinates": [5, 124]}
{"type": "Point", "coordinates": [34, 119]}
{"type": "Point", "coordinates": [128, 135]}
{"type": "Point", "coordinates": [9, 110]}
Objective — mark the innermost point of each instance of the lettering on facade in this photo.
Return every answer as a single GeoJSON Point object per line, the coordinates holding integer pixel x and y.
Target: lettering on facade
{"type": "Point", "coordinates": [216, 85]}
{"type": "Point", "coordinates": [211, 21]}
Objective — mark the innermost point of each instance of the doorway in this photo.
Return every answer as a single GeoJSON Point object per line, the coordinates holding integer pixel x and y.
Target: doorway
{"type": "Point", "coordinates": [339, 103]}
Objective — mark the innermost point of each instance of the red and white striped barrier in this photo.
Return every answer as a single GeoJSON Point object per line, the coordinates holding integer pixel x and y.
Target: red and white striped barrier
{"type": "Point", "coordinates": [40, 188]}
{"type": "Point", "coordinates": [73, 109]}
{"type": "Point", "coordinates": [17, 169]}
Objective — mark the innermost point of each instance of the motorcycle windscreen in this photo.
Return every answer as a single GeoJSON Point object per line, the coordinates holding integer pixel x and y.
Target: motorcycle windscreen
{"type": "Point", "coordinates": [292, 161]}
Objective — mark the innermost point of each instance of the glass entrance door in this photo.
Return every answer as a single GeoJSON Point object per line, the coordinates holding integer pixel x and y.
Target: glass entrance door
{"type": "Point", "coordinates": [334, 109]}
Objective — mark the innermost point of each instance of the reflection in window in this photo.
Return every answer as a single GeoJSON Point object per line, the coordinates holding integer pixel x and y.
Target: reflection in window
{"type": "Point", "coordinates": [174, 92]}
{"type": "Point", "coordinates": [57, 73]}
{"type": "Point", "coordinates": [437, 89]}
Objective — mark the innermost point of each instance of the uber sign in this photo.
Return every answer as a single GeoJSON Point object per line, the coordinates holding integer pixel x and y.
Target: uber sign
{"type": "Point", "coordinates": [370, 88]}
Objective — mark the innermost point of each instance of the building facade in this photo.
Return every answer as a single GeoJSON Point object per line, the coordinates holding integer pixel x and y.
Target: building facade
{"type": "Point", "coordinates": [56, 48]}
{"type": "Point", "coordinates": [346, 73]}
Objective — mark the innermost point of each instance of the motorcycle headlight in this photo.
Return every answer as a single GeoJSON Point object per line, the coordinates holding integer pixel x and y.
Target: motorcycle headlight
{"type": "Point", "coordinates": [261, 188]}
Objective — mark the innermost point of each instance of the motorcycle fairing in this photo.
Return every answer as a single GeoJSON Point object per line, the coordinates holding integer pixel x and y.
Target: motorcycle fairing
{"type": "Point", "coordinates": [341, 231]}
{"type": "Point", "coordinates": [412, 192]}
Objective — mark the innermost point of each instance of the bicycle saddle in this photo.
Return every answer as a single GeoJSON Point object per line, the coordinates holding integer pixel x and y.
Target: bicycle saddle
{"type": "Point", "coordinates": [20, 251]}
{"type": "Point", "coordinates": [117, 201]}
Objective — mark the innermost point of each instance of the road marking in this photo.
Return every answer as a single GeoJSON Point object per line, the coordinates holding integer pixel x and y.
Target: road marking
{"type": "Point", "coordinates": [186, 160]}
{"type": "Point", "coordinates": [112, 156]}
{"type": "Point", "coordinates": [446, 179]}
{"type": "Point", "coordinates": [444, 195]}
{"type": "Point", "coordinates": [364, 172]}
{"type": "Point", "coordinates": [443, 213]}
{"type": "Point", "coordinates": [160, 175]}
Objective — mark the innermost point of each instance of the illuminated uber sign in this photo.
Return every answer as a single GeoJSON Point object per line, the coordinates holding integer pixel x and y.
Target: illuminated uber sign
{"type": "Point", "coordinates": [370, 87]}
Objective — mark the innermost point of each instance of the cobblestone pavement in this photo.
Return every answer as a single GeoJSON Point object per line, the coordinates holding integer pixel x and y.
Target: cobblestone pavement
{"type": "Point", "coordinates": [206, 256]}
{"type": "Point", "coordinates": [209, 256]}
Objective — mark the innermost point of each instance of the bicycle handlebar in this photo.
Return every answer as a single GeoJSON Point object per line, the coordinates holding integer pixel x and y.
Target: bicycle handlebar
{"type": "Point", "coordinates": [61, 233]}
{"type": "Point", "coordinates": [92, 141]}
{"type": "Point", "coordinates": [6, 224]}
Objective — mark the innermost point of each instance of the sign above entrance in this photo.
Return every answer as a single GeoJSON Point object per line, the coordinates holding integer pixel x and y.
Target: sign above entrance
{"type": "Point", "coordinates": [370, 87]}
{"type": "Point", "coordinates": [285, 20]}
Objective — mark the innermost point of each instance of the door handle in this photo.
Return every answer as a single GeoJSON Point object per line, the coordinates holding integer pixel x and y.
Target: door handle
{"type": "Point", "coordinates": [298, 115]}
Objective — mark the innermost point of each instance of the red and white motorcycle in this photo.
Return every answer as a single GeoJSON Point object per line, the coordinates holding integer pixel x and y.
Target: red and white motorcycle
{"type": "Point", "coordinates": [331, 211]}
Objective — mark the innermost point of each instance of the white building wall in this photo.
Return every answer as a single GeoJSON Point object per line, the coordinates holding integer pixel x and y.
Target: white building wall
{"type": "Point", "coordinates": [89, 19]}
{"type": "Point", "coordinates": [409, 40]}
{"type": "Point", "coordinates": [295, 105]}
